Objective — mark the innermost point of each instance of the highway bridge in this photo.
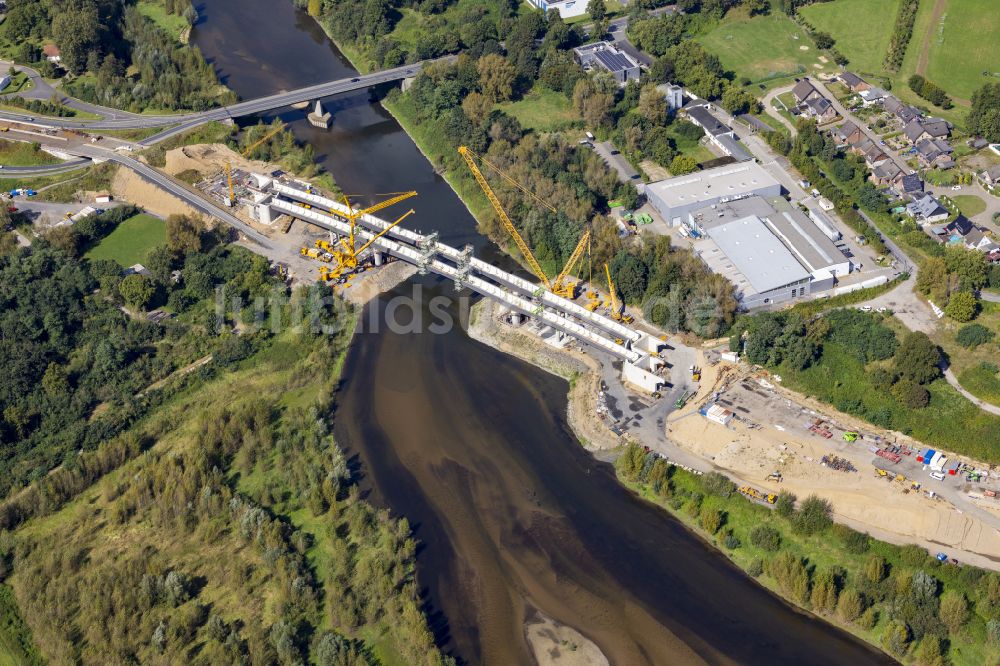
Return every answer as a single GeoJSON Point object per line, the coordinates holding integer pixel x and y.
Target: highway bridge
{"type": "Point", "coordinates": [636, 350]}
{"type": "Point", "coordinates": [181, 122]}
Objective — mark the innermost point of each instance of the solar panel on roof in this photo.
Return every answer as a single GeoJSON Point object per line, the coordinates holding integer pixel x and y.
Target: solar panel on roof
{"type": "Point", "coordinates": [613, 61]}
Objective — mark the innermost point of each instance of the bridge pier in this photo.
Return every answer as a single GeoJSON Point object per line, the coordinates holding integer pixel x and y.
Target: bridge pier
{"type": "Point", "coordinates": [319, 116]}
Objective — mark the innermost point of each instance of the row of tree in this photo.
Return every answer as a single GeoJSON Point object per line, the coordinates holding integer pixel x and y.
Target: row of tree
{"type": "Point", "coordinates": [900, 596]}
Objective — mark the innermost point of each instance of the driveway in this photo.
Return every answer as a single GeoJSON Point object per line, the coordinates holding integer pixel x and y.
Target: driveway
{"type": "Point", "coordinates": [863, 126]}
{"type": "Point", "coordinates": [768, 103]}
{"type": "Point", "coordinates": [984, 219]}
{"type": "Point", "coordinates": [614, 159]}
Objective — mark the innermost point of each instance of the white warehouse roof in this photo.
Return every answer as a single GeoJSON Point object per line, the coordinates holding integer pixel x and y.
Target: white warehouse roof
{"type": "Point", "coordinates": [725, 182]}
{"type": "Point", "coordinates": [758, 254]}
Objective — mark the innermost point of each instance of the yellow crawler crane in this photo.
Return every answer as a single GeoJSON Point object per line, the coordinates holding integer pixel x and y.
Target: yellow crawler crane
{"type": "Point", "coordinates": [345, 261]}
{"type": "Point", "coordinates": [354, 215]}
{"type": "Point", "coordinates": [617, 307]}
{"type": "Point", "coordinates": [559, 286]}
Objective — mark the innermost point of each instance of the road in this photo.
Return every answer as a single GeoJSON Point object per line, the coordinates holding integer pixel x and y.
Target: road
{"type": "Point", "coordinates": [43, 91]}
{"type": "Point", "coordinates": [44, 169]}
{"type": "Point", "coordinates": [768, 103]}
{"type": "Point", "coordinates": [184, 121]}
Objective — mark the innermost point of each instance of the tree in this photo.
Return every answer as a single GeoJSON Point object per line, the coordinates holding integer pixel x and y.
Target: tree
{"type": "Point", "coordinates": [917, 358]}
{"type": "Point", "coordinates": [962, 306]}
{"type": "Point", "coordinates": [683, 164]}
{"type": "Point", "coordinates": [184, 234]}
{"type": "Point", "coordinates": [813, 516]}
{"type": "Point", "coordinates": [850, 605]}
{"type": "Point", "coordinates": [954, 611]}
{"type": "Point", "coordinates": [785, 503]}
{"type": "Point", "coordinates": [973, 335]}
{"type": "Point", "coordinates": [766, 538]}
{"type": "Point", "coordinates": [911, 394]}
{"type": "Point", "coordinates": [597, 9]}
{"type": "Point", "coordinates": [652, 106]}
{"type": "Point", "coordinates": [824, 592]}
{"type": "Point", "coordinates": [55, 381]}
{"type": "Point", "coordinates": [929, 652]}
{"type": "Point", "coordinates": [136, 290]}
{"type": "Point", "coordinates": [737, 101]}
{"type": "Point", "coordinates": [711, 519]}
{"type": "Point", "coordinates": [476, 107]}
{"type": "Point", "coordinates": [896, 637]}
{"type": "Point", "coordinates": [496, 77]}
{"type": "Point", "coordinates": [755, 7]}
{"type": "Point", "coordinates": [984, 116]}
{"type": "Point", "coordinates": [791, 575]}
{"type": "Point", "coordinates": [932, 279]}
{"type": "Point", "coordinates": [593, 105]}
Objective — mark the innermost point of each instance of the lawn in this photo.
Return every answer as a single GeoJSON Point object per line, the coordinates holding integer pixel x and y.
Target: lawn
{"type": "Point", "coordinates": [20, 153]}
{"type": "Point", "coordinates": [173, 24]}
{"type": "Point", "coordinates": [966, 363]}
{"type": "Point", "coordinates": [542, 109]}
{"type": "Point", "coordinates": [965, 50]}
{"type": "Point", "coordinates": [863, 41]}
{"type": "Point", "coordinates": [690, 147]}
{"type": "Point", "coordinates": [763, 47]}
{"type": "Point", "coordinates": [131, 241]}
{"type": "Point", "coordinates": [969, 204]}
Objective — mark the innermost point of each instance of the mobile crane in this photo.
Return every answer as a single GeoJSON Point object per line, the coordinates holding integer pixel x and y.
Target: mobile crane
{"type": "Point", "coordinates": [559, 286]}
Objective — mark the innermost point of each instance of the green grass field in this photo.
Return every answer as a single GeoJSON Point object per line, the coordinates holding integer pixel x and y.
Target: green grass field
{"type": "Point", "coordinates": [542, 109]}
{"type": "Point", "coordinates": [131, 241]}
{"type": "Point", "coordinates": [969, 204]}
{"type": "Point", "coordinates": [763, 47]}
{"type": "Point", "coordinates": [19, 153]}
{"type": "Point", "coordinates": [965, 49]}
{"type": "Point", "coordinates": [174, 25]}
{"type": "Point", "coordinates": [863, 41]}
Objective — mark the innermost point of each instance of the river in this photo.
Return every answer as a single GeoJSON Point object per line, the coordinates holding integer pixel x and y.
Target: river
{"type": "Point", "coordinates": [472, 445]}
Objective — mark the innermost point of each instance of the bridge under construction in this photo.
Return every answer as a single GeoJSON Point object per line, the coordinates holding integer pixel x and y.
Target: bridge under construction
{"type": "Point", "coordinates": [638, 351]}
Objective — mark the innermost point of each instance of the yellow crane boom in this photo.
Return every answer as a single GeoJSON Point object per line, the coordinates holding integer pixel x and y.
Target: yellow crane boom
{"type": "Point", "coordinates": [246, 152]}
{"type": "Point", "coordinates": [354, 214]}
{"type": "Point", "coordinates": [558, 286]}
{"type": "Point", "coordinates": [504, 219]}
{"type": "Point", "coordinates": [611, 291]}
{"type": "Point", "coordinates": [229, 181]}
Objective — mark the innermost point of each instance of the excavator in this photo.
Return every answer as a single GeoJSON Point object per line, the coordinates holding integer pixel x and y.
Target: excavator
{"type": "Point", "coordinates": [561, 286]}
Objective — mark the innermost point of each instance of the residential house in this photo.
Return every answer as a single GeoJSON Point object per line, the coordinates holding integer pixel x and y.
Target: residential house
{"type": "Point", "coordinates": [52, 53]}
{"type": "Point", "coordinates": [903, 112]}
{"type": "Point", "coordinates": [846, 134]}
{"type": "Point", "coordinates": [911, 185]}
{"type": "Point", "coordinates": [873, 96]}
{"type": "Point", "coordinates": [977, 143]}
{"type": "Point", "coordinates": [874, 156]}
{"type": "Point", "coordinates": [991, 176]}
{"type": "Point", "coordinates": [854, 82]}
{"type": "Point", "coordinates": [821, 109]}
{"type": "Point", "coordinates": [926, 210]}
{"type": "Point", "coordinates": [805, 91]}
{"type": "Point", "coordinates": [935, 153]}
{"type": "Point", "coordinates": [673, 94]}
{"type": "Point", "coordinates": [609, 57]}
{"type": "Point", "coordinates": [887, 174]}
{"type": "Point", "coordinates": [926, 128]}
{"type": "Point", "coordinates": [717, 132]}
{"type": "Point", "coordinates": [977, 239]}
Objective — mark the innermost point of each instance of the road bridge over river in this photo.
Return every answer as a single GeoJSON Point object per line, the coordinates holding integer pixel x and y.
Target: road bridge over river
{"type": "Point", "coordinates": [181, 122]}
{"type": "Point", "coordinates": [636, 350]}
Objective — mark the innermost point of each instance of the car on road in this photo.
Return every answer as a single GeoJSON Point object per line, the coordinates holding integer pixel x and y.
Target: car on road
{"type": "Point", "coordinates": [956, 187]}
{"type": "Point", "coordinates": [355, 80]}
{"type": "Point", "coordinates": [865, 308]}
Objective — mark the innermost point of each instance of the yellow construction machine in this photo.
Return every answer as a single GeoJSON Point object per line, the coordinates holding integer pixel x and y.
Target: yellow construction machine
{"type": "Point", "coordinates": [345, 259]}
{"type": "Point", "coordinates": [560, 286]}
{"type": "Point", "coordinates": [617, 307]}
{"type": "Point", "coordinates": [245, 153]}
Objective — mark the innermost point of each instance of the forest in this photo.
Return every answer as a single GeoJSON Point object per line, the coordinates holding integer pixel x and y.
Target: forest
{"type": "Point", "coordinates": [76, 351]}
{"type": "Point", "coordinates": [205, 517]}
{"type": "Point", "coordinates": [113, 55]}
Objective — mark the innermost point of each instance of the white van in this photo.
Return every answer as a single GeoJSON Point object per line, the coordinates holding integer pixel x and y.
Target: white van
{"type": "Point", "coordinates": [589, 136]}
{"type": "Point", "coordinates": [937, 475]}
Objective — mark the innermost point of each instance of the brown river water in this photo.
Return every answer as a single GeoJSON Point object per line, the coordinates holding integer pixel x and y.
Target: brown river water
{"type": "Point", "coordinates": [472, 445]}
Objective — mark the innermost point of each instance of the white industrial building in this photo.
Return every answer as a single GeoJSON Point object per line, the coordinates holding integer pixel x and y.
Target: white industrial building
{"type": "Point", "coordinates": [566, 8]}
{"type": "Point", "coordinates": [771, 251]}
{"type": "Point", "coordinates": [675, 198]}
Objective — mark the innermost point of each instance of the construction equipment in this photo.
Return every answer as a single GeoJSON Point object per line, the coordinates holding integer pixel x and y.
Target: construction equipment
{"type": "Point", "coordinates": [346, 260]}
{"type": "Point", "coordinates": [568, 289]}
{"type": "Point", "coordinates": [616, 307]}
{"type": "Point", "coordinates": [229, 181]}
{"type": "Point", "coordinates": [753, 493]}
{"type": "Point", "coordinates": [246, 151]}
{"type": "Point", "coordinates": [557, 286]}
{"type": "Point", "coordinates": [881, 472]}
{"type": "Point", "coordinates": [850, 436]}
{"type": "Point", "coordinates": [353, 215]}
{"type": "Point", "coordinates": [695, 373]}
